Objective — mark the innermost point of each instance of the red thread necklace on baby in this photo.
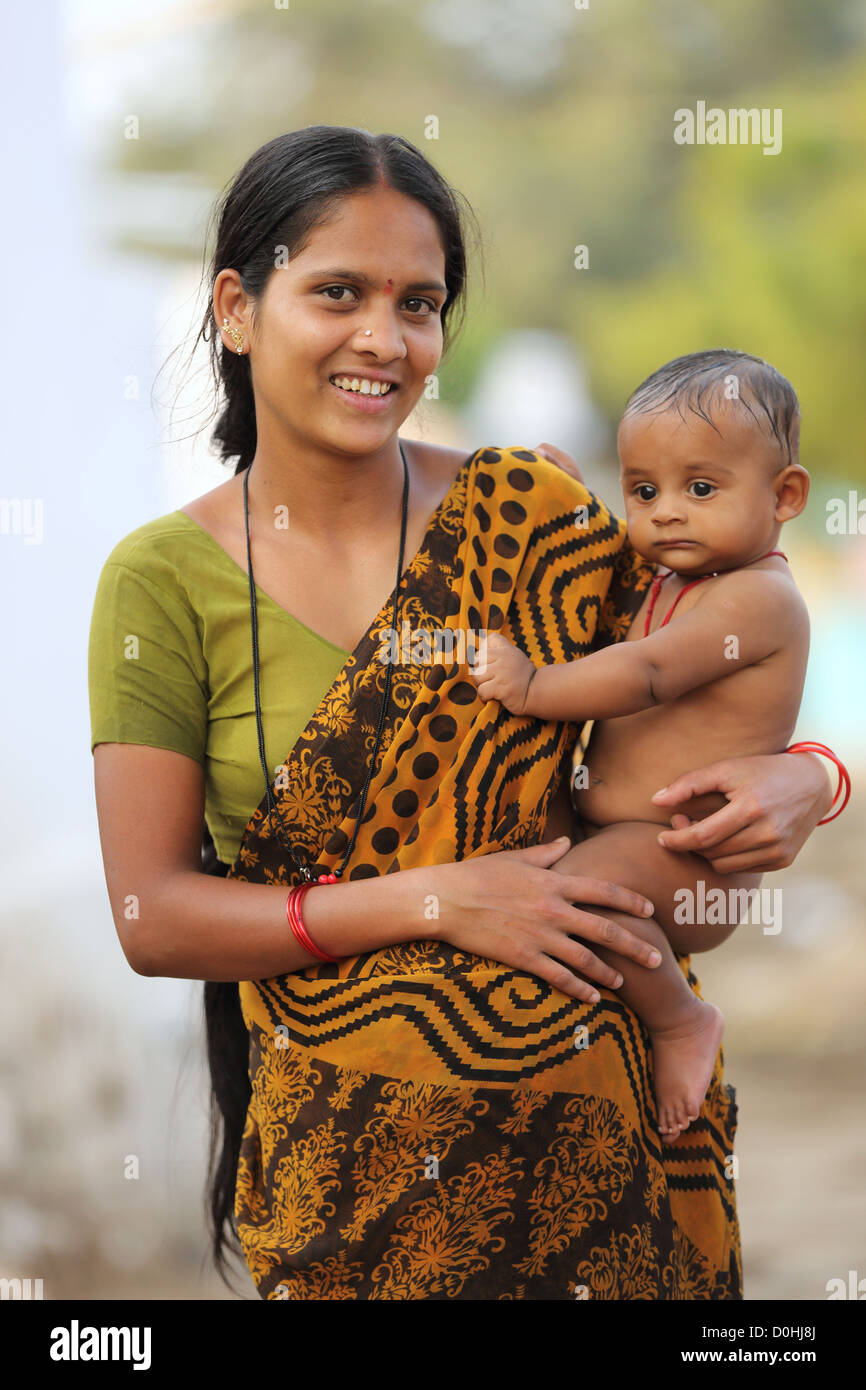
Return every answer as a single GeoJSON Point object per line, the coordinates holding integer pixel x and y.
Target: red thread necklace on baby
{"type": "Point", "coordinates": [660, 579]}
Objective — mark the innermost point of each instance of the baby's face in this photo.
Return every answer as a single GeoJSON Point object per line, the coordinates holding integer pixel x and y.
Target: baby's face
{"type": "Point", "coordinates": [698, 498]}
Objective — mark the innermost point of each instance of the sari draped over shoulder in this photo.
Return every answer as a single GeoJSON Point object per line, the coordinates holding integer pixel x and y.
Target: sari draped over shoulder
{"type": "Point", "coordinates": [428, 1124]}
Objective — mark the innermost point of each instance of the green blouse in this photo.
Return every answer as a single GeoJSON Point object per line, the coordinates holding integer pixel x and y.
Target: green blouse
{"type": "Point", "coordinates": [170, 665]}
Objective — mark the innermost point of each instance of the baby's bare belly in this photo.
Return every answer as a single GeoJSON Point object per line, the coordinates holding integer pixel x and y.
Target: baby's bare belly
{"type": "Point", "coordinates": [629, 759]}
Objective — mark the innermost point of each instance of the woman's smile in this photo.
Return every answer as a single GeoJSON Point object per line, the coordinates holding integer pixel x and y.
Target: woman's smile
{"type": "Point", "coordinates": [364, 393]}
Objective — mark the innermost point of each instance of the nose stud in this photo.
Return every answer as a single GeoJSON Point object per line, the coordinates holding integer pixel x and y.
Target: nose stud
{"type": "Point", "coordinates": [368, 332]}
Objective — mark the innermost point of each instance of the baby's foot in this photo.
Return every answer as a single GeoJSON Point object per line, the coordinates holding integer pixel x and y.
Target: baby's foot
{"type": "Point", "coordinates": [683, 1061]}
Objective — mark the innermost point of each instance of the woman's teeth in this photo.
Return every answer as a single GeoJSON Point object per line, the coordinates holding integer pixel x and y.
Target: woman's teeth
{"type": "Point", "coordinates": [366, 388]}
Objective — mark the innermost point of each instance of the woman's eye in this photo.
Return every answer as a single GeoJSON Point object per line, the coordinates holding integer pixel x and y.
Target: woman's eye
{"type": "Point", "coordinates": [414, 306]}
{"type": "Point", "coordinates": [340, 289]}
{"type": "Point", "coordinates": [646, 492]}
{"type": "Point", "coordinates": [708, 489]}
{"type": "Point", "coordinates": [425, 304]}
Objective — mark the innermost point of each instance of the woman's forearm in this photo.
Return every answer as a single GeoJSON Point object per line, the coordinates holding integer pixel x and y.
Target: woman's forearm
{"type": "Point", "coordinates": [197, 927]}
{"type": "Point", "coordinates": [491, 905]}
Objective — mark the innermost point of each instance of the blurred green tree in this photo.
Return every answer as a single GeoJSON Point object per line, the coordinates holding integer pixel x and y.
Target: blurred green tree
{"type": "Point", "coordinates": [557, 124]}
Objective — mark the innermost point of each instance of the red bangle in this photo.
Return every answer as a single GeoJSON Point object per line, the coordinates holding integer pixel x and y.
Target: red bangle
{"type": "Point", "coordinates": [301, 935]}
{"type": "Point", "coordinates": [844, 778]}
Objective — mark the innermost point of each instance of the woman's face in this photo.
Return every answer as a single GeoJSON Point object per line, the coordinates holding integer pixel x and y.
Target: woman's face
{"type": "Point", "coordinates": [377, 263]}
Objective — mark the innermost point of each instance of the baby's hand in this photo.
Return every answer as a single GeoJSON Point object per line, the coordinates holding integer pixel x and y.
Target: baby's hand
{"type": "Point", "coordinates": [505, 675]}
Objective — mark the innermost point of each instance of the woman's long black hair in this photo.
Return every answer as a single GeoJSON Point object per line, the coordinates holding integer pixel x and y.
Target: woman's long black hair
{"type": "Point", "coordinates": [287, 188]}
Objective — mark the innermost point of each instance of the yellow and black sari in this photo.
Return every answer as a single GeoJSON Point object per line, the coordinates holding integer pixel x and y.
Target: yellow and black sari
{"type": "Point", "coordinates": [426, 1124]}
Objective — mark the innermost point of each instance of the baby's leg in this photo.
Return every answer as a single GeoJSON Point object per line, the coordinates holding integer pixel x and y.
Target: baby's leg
{"type": "Point", "coordinates": [685, 1030]}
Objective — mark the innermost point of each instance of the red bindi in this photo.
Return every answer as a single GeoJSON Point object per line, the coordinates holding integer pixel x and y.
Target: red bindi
{"type": "Point", "coordinates": [389, 286]}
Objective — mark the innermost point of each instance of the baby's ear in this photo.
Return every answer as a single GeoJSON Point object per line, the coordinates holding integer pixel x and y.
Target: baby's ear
{"type": "Point", "coordinates": [792, 492]}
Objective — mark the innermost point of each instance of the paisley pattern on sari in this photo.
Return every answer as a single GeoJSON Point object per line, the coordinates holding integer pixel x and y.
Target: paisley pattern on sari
{"type": "Point", "coordinates": [425, 1123]}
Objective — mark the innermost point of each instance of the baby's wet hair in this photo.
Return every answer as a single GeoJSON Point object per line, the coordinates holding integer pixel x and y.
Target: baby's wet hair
{"type": "Point", "coordinates": [700, 380]}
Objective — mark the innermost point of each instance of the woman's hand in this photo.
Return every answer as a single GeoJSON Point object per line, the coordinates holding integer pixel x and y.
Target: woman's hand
{"type": "Point", "coordinates": [560, 458]}
{"type": "Point", "coordinates": [774, 804]}
{"type": "Point", "coordinates": [510, 907]}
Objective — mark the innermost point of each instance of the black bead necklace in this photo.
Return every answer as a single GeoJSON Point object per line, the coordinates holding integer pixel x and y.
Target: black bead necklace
{"type": "Point", "coordinates": [302, 864]}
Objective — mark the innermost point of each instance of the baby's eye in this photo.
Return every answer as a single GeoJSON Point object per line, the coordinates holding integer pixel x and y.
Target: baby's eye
{"type": "Point", "coordinates": [645, 491]}
{"type": "Point", "coordinates": [698, 483]}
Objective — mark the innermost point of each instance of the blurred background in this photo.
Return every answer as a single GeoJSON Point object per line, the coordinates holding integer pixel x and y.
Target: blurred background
{"type": "Point", "coordinates": [122, 125]}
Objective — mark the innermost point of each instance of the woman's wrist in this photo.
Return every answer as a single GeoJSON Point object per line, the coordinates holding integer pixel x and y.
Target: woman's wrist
{"type": "Point", "coordinates": [369, 914]}
{"type": "Point", "coordinates": [835, 801]}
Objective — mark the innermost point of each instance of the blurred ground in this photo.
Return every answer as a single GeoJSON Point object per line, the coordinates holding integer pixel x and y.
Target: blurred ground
{"type": "Point", "coordinates": [801, 1145]}
{"type": "Point", "coordinates": [794, 1046]}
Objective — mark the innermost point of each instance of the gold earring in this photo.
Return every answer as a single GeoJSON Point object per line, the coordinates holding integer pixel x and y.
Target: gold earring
{"type": "Point", "coordinates": [235, 334]}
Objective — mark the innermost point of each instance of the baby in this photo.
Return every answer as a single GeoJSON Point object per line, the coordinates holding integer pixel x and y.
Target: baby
{"type": "Point", "coordinates": [708, 447]}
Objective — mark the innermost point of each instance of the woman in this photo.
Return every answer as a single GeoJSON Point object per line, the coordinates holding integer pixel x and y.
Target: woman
{"type": "Point", "coordinates": [425, 1095]}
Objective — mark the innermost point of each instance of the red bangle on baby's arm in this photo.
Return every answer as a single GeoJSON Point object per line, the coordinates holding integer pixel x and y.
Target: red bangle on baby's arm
{"type": "Point", "coordinates": [844, 777]}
